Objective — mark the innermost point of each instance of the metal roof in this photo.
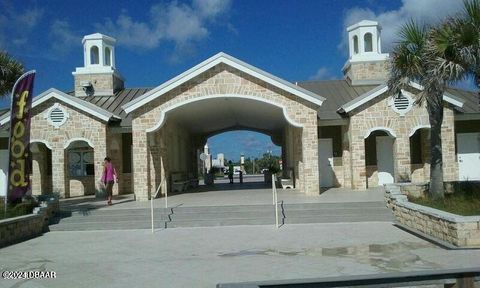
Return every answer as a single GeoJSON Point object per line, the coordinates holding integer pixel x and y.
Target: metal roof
{"type": "Point", "coordinates": [114, 103]}
{"type": "Point", "coordinates": [336, 92]}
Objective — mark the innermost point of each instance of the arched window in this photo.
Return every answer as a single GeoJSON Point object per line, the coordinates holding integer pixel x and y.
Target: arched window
{"type": "Point", "coordinates": [108, 59]}
{"type": "Point", "coordinates": [94, 59]}
{"type": "Point", "coordinates": [367, 38]}
{"type": "Point", "coordinates": [355, 44]}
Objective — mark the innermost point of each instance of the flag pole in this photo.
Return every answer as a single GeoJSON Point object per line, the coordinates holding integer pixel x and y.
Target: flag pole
{"type": "Point", "coordinates": [12, 96]}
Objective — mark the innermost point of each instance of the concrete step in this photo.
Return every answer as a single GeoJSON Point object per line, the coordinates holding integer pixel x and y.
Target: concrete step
{"type": "Point", "coordinates": [203, 216]}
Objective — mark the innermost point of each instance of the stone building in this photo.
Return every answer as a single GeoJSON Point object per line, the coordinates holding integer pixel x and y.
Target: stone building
{"type": "Point", "coordinates": [336, 133]}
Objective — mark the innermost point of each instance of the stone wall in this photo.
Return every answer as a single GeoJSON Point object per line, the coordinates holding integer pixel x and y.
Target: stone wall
{"type": "Point", "coordinates": [80, 126]}
{"type": "Point", "coordinates": [225, 80]}
{"type": "Point", "coordinates": [17, 229]}
{"type": "Point", "coordinates": [461, 231]}
{"type": "Point", "coordinates": [367, 71]}
{"type": "Point", "coordinates": [104, 84]}
{"type": "Point", "coordinates": [380, 116]}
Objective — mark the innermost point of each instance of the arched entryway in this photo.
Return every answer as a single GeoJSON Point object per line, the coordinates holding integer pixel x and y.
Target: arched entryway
{"type": "Point", "coordinates": [80, 168]}
{"type": "Point", "coordinates": [379, 156]}
{"type": "Point", "coordinates": [420, 153]}
{"type": "Point", "coordinates": [177, 140]}
{"type": "Point", "coordinates": [221, 93]}
{"type": "Point", "coordinates": [41, 167]}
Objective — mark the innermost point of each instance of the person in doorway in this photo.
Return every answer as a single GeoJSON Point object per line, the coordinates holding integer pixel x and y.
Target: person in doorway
{"type": "Point", "coordinates": [230, 171]}
{"type": "Point", "coordinates": [109, 177]}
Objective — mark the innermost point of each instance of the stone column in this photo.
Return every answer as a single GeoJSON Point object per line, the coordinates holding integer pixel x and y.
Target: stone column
{"type": "Point", "coordinates": [346, 161]}
{"type": "Point", "coordinates": [140, 164]}
{"type": "Point", "coordinates": [359, 171]}
{"type": "Point", "coordinates": [450, 165]}
{"type": "Point", "coordinates": [59, 172]}
{"type": "Point", "coordinates": [99, 153]}
{"type": "Point", "coordinates": [402, 158]}
{"type": "Point", "coordinates": [310, 157]}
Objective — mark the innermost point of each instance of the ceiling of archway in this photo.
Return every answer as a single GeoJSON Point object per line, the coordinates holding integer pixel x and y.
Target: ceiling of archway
{"type": "Point", "coordinates": [210, 116]}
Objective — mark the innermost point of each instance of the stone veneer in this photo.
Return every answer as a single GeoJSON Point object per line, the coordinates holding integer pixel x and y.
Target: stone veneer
{"type": "Point", "coordinates": [79, 126]}
{"type": "Point", "coordinates": [379, 115]}
{"type": "Point", "coordinates": [17, 229]}
{"type": "Point", "coordinates": [367, 71]}
{"type": "Point", "coordinates": [223, 80]}
{"type": "Point", "coordinates": [461, 231]}
{"type": "Point", "coordinates": [103, 84]}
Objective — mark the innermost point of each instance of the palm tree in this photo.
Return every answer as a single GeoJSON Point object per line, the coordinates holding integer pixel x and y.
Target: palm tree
{"type": "Point", "coordinates": [413, 60]}
{"type": "Point", "coordinates": [10, 71]}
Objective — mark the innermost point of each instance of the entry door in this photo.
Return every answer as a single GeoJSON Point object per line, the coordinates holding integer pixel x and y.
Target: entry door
{"type": "Point", "coordinates": [385, 159]}
{"type": "Point", "coordinates": [325, 162]}
{"type": "Point", "coordinates": [468, 156]}
{"type": "Point", "coordinates": [3, 171]}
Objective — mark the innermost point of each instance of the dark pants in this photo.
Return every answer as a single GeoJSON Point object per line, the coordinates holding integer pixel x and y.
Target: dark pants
{"type": "Point", "coordinates": [109, 187]}
{"type": "Point", "coordinates": [230, 176]}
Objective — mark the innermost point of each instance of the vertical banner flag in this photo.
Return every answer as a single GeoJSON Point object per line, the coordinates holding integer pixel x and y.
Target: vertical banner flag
{"type": "Point", "coordinates": [20, 158]}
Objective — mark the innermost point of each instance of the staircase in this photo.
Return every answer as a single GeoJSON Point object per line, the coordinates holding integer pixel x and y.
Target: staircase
{"type": "Point", "coordinates": [203, 216]}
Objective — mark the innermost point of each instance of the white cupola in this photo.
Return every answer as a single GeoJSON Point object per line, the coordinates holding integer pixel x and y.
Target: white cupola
{"type": "Point", "coordinates": [98, 76]}
{"type": "Point", "coordinates": [365, 49]}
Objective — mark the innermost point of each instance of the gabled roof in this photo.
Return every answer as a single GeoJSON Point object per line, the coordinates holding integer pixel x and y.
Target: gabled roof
{"type": "Point", "coordinates": [381, 89]}
{"type": "Point", "coordinates": [230, 61]}
{"type": "Point", "coordinates": [68, 99]}
{"type": "Point", "coordinates": [336, 92]}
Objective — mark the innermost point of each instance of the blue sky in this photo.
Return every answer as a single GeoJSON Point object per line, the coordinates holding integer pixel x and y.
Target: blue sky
{"type": "Point", "coordinates": [295, 40]}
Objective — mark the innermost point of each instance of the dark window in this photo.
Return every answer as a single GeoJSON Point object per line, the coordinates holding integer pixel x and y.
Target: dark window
{"type": "Point", "coordinates": [416, 148]}
{"type": "Point", "coordinates": [335, 133]}
{"type": "Point", "coordinates": [127, 152]}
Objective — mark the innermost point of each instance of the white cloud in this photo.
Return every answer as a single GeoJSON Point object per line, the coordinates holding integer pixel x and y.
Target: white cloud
{"type": "Point", "coordinates": [178, 23]}
{"type": "Point", "coordinates": [322, 74]}
{"type": "Point", "coordinates": [16, 26]}
{"type": "Point", "coordinates": [423, 11]}
{"type": "Point", "coordinates": [64, 38]}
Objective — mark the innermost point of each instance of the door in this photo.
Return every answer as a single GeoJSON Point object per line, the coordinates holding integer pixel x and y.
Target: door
{"type": "Point", "coordinates": [3, 172]}
{"type": "Point", "coordinates": [385, 159]}
{"type": "Point", "coordinates": [325, 162]}
{"type": "Point", "coordinates": [468, 149]}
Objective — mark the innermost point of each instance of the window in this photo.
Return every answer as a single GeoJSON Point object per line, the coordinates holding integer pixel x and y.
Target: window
{"type": "Point", "coordinates": [368, 42]}
{"type": "Point", "coordinates": [108, 55]}
{"type": "Point", "coordinates": [355, 44]}
{"type": "Point", "coordinates": [94, 56]}
{"type": "Point", "coordinates": [127, 152]}
{"type": "Point", "coordinates": [80, 163]}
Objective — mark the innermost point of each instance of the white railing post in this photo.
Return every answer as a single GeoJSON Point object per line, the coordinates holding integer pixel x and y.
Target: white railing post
{"type": "Point", "coordinates": [155, 196]}
{"type": "Point", "coordinates": [166, 198]}
{"type": "Point", "coordinates": [275, 199]}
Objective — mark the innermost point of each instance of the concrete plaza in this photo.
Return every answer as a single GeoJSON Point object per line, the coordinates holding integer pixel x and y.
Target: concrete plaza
{"type": "Point", "coordinates": [202, 257]}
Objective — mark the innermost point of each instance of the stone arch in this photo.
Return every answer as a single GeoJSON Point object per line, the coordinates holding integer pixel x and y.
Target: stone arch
{"type": "Point", "coordinates": [71, 140]}
{"type": "Point", "coordinates": [164, 112]}
{"type": "Point", "coordinates": [420, 126]}
{"type": "Point", "coordinates": [389, 131]}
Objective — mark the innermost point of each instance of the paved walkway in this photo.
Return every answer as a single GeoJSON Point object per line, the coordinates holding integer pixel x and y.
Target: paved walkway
{"type": "Point", "coordinates": [251, 192]}
{"type": "Point", "coordinates": [202, 257]}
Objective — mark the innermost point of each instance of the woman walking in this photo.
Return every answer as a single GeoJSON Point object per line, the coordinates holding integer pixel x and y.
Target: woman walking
{"type": "Point", "coordinates": [108, 178]}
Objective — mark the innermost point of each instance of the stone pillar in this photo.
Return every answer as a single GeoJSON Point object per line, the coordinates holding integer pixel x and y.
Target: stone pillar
{"type": "Point", "coordinates": [59, 172]}
{"type": "Point", "coordinates": [346, 158]}
{"type": "Point", "coordinates": [309, 171]}
{"type": "Point", "coordinates": [140, 169]}
{"type": "Point", "coordinates": [402, 158]}
{"type": "Point", "coordinates": [39, 169]}
{"type": "Point", "coordinates": [99, 154]}
{"type": "Point", "coordinates": [450, 165]}
{"type": "Point", "coordinates": [359, 171]}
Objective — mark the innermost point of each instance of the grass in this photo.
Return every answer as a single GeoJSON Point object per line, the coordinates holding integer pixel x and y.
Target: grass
{"type": "Point", "coordinates": [464, 201]}
{"type": "Point", "coordinates": [16, 210]}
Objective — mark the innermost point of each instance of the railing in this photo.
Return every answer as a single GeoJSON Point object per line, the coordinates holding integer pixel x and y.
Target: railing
{"type": "Point", "coordinates": [275, 198]}
{"type": "Point", "coordinates": [448, 277]}
{"type": "Point", "coordinates": [155, 196]}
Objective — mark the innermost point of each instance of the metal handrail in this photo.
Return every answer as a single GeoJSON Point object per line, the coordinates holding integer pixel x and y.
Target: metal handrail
{"type": "Point", "coordinates": [275, 198]}
{"type": "Point", "coordinates": [155, 196]}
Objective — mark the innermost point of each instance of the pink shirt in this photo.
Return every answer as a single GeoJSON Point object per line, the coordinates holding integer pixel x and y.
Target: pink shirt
{"type": "Point", "coordinates": [108, 173]}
